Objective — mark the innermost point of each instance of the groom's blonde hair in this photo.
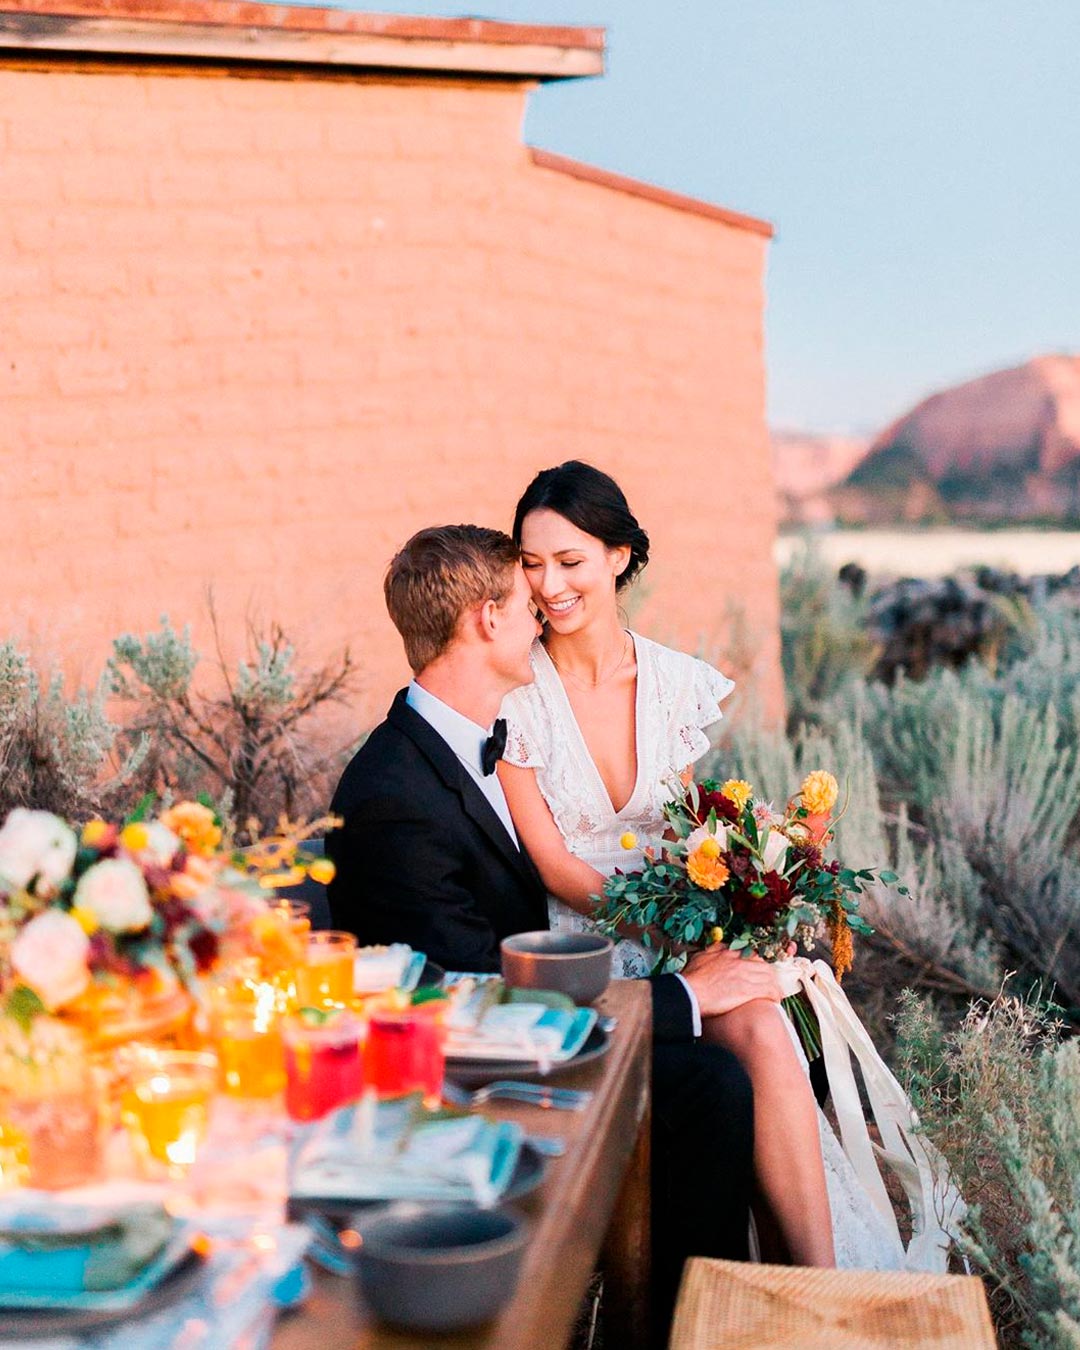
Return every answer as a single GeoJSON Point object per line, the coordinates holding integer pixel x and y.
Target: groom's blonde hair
{"type": "Point", "coordinates": [439, 574]}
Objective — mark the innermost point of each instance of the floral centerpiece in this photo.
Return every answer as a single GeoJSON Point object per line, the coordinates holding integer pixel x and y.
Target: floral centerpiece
{"type": "Point", "coordinates": [92, 915]}
{"type": "Point", "coordinates": [738, 871]}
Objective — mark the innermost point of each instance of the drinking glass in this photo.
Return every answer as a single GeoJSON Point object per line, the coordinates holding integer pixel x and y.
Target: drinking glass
{"type": "Point", "coordinates": [51, 1103]}
{"type": "Point", "coordinates": [246, 1025]}
{"type": "Point", "coordinates": [325, 977]}
{"type": "Point", "coordinates": [323, 1067]}
{"type": "Point", "coordinates": [403, 1052]}
{"type": "Point", "coordinates": [166, 1106]}
{"type": "Point", "coordinates": [280, 957]}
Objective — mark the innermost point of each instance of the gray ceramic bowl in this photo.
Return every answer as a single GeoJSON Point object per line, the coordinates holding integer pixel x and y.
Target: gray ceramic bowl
{"type": "Point", "coordinates": [438, 1268]}
{"type": "Point", "coordinates": [576, 964]}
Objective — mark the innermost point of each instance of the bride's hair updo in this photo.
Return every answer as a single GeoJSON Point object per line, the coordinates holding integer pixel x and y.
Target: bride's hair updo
{"type": "Point", "coordinates": [592, 501]}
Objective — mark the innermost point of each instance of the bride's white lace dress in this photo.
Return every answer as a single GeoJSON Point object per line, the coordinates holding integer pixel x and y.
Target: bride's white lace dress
{"type": "Point", "coordinates": [677, 697]}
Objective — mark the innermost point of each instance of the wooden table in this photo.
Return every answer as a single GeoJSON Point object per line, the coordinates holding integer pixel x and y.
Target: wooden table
{"type": "Point", "coordinates": [598, 1189]}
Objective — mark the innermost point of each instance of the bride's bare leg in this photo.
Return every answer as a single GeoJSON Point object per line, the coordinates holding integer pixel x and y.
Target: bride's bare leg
{"type": "Point", "coordinates": [787, 1148]}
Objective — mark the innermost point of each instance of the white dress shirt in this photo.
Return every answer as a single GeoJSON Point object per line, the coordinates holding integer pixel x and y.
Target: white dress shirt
{"type": "Point", "coordinates": [466, 739]}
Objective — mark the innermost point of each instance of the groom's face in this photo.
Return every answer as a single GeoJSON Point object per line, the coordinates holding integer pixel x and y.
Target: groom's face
{"type": "Point", "coordinates": [518, 628]}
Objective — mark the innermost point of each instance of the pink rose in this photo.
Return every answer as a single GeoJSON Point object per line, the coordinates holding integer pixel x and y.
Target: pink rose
{"type": "Point", "coordinates": [50, 954]}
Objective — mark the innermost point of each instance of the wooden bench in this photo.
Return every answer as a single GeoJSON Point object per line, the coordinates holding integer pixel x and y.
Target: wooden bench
{"type": "Point", "coordinates": [729, 1305]}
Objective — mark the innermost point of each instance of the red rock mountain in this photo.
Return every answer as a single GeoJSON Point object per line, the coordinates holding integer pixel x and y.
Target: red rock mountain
{"type": "Point", "coordinates": [805, 467]}
{"type": "Point", "coordinates": [1003, 447]}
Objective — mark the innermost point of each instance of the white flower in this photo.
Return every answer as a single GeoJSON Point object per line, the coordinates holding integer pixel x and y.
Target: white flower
{"type": "Point", "coordinates": [35, 844]}
{"type": "Point", "coordinates": [774, 851]}
{"type": "Point", "coordinates": [695, 840]}
{"type": "Point", "coordinates": [114, 891]}
{"type": "Point", "coordinates": [50, 955]}
{"type": "Point", "coordinates": [161, 844]}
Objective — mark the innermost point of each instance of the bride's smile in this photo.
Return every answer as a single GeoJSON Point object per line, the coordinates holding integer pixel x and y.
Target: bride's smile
{"type": "Point", "coordinates": [572, 574]}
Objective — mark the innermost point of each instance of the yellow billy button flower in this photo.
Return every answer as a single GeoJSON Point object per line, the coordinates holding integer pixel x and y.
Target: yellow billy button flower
{"type": "Point", "coordinates": [135, 837]}
{"type": "Point", "coordinates": [628, 840]}
{"type": "Point", "coordinates": [737, 790]}
{"type": "Point", "coordinates": [86, 919]}
{"type": "Point", "coordinates": [94, 833]}
{"type": "Point", "coordinates": [323, 871]}
{"type": "Point", "coordinates": [819, 792]}
{"type": "Point", "coordinates": [709, 848]}
{"type": "Point", "coordinates": [716, 935]}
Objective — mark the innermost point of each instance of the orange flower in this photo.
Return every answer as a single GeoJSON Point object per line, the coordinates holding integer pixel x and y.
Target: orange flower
{"type": "Point", "coordinates": [195, 825]}
{"type": "Point", "coordinates": [323, 871]}
{"type": "Point", "coordinates": [708, 873]}
{"type": "Point", "coordinates": [819, 792]}
{"type": "Point", "coordinates": [195, 878]}
{"type": "Point", "coordinates": [843, 948]}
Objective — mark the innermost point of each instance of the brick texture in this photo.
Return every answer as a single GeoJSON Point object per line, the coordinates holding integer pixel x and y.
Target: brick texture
{"type": "Point", "coordinates": [254, 332]}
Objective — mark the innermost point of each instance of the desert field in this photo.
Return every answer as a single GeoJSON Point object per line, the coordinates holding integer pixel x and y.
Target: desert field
{"type": "Point", "coordinates": [929, 553]}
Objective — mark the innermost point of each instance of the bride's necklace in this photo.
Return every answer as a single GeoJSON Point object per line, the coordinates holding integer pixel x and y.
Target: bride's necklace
{"type": "Point", "coordinates": [603, 679]}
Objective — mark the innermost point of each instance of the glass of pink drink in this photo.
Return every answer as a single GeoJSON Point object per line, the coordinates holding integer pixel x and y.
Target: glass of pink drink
{"type": "Point", "coordinates": [323, 1066]}
{"type": "Point", "coordinates": [404, 1053]}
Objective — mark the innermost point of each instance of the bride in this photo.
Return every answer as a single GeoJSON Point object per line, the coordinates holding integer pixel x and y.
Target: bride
{"type": "Point", "coordinates": [593, 747]}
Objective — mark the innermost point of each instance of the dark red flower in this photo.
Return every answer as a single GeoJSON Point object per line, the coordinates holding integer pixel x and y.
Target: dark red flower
{"type": "Point", "coordinates": [204, 948]}
{"type": "Point", "coordinates": [713, 800]}
{"type": "Point", "coordinates": [762, 909]}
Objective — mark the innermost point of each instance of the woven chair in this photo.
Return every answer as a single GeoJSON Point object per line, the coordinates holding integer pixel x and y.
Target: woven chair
{"type": "Point", "coordinates": [729, 1305]}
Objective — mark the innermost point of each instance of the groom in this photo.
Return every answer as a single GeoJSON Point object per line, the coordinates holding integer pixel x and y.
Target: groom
{"type": "Point", "coordinates": [427, 854]}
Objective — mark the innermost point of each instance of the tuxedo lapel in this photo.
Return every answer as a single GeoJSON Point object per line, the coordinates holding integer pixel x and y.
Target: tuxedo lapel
{"type": "Point", "coordinates": [457, 778]}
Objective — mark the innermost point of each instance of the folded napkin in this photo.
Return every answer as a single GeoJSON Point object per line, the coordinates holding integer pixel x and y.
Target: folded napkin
{"type": "Point", "coordinates": [519, 1031]}
{"type": "Point", "coordinates": [55, 1254]}
{"type": "Point", "coordinates": [395, 1150]}
{"type": "Point", "coordinates": [393, 967]}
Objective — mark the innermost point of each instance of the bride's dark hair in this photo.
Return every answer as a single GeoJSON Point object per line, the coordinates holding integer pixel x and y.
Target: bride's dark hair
{"type": "Point", "coordinates": [592, 501]}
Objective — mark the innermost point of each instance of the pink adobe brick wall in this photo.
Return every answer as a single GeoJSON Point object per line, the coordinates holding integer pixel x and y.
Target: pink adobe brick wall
{"type": "Point", "coordinates": [255, 331]}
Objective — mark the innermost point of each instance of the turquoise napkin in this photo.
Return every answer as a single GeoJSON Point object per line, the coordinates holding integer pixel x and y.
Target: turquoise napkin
{"type": "Point", "coordinates": [395, 1150]}
{"type": "Point", "coordinates": [54, 1254]}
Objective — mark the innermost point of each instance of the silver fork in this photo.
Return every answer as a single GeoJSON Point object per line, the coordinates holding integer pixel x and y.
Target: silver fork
{"type": "Point", "coordinates": [535, 1094]}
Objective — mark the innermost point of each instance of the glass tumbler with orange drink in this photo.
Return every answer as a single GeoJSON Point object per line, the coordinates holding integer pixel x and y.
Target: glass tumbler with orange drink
{"type": "Point", "coordinates": [325, 977]}
{"type": "Point", "coordinates": [166, 1107]}
{"type": "Point", "coordinates": [323, 1067]}
{"type": "Point", "coordinates": [245, 1019]}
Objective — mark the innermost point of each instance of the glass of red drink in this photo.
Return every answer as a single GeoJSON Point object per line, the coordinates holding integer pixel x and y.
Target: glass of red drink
{"type": "Point", "coordinates": [404, 1052]}
{"type": "Point", "coordinates": [323, 1065]}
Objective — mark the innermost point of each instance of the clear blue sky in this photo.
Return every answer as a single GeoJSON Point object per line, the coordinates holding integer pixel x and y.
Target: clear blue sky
{"type": "Point", "coordinates": [920, 159]}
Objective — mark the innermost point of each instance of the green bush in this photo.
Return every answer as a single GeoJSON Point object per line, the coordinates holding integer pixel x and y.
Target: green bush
{"type": "Point", "coordinates": [1000, 1097]}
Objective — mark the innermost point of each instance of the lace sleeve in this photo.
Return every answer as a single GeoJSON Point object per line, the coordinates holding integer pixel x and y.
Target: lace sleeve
{"type": "Point", "coordinates": [697, 706]}
{"type": "Point", "coordinates": [524, 729]}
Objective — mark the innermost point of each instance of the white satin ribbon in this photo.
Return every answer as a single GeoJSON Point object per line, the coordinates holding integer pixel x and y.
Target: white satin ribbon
{"type": "Point", "coordinates": [935, 1204]}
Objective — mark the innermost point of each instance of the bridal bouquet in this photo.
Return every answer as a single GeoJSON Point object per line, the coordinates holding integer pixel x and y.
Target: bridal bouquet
{"type": "Point", "coordinates": [147, 903]}
{"type": "Point", "coordinates": [740, 872]}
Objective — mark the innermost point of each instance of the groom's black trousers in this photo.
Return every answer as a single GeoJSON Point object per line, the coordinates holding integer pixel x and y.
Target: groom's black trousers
{"type": "Point", "coordinates": [702, 1162]}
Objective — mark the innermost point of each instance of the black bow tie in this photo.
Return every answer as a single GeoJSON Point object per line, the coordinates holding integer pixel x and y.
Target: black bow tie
{"type": "Point", "coordinates": [494, 746]}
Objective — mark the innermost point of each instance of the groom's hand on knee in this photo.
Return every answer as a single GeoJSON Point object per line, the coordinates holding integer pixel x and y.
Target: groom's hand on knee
{"type": "Point", "coordinates": [722, 980]}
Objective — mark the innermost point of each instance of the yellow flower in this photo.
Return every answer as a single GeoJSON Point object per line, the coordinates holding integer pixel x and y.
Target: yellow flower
{"type": "Point", "coordinates": [708, 873]}
{"type": "Point", "coordinates": [194, 823]}
{"type": "Point", "coordinates": [85, 918]}
{"type": "Point", "coordinates": [716, 935]}
{"type": "Point", "coordinates": [95, 832]}
{"type": "Point", "coordinates": [819, 792]}
{"type": "Point", "coordinates": [709, 848]}
{"type": "Point", "coordinates": [135, 836]}
{"type": "Point", "coordinates": [628, 840]}
{"type": "Point", "coordinates": [737, 790]}
{"type": "Point", "coordinates": [323, 871]}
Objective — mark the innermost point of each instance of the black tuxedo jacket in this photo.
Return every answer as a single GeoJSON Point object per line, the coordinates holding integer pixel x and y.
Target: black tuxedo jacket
{"type": "Point", "coordinates": [422, 858]}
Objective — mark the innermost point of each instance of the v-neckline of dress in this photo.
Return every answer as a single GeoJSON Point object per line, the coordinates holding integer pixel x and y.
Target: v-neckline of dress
{"type": "Point", "coordinates": [586, 754]}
